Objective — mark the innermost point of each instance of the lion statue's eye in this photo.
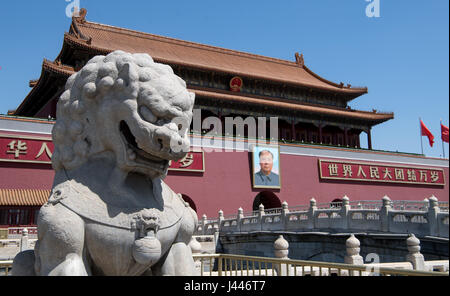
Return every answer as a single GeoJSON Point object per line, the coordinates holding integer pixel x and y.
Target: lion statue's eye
{"type": "Point", "coordinates": [147, 114]}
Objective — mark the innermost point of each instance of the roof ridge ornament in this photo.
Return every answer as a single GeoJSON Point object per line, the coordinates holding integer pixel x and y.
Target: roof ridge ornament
{"type": "Point", "coordinates": [79, 15]}
{"type": "Point", "coordinates": [299, 60]}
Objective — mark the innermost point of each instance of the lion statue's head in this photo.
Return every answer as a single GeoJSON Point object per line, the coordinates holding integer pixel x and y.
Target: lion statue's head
{"type": "Point", "coordinates": [125, 106]}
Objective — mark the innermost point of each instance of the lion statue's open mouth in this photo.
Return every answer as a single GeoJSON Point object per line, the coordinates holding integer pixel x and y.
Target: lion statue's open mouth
{"type": "Point", "coordinates": [137, 154]}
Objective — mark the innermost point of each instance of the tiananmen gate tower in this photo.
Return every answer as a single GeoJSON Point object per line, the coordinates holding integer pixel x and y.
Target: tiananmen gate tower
{"type": "Point", "coordinates": [319, 134]}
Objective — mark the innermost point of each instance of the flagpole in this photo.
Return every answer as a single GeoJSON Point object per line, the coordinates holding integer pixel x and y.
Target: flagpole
{"type": "Point", "coordinates": [420, 133]}
{"type": "Point", "coordinates": [443, 149]}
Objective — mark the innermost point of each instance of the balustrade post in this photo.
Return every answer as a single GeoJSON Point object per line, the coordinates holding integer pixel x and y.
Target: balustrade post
{"type": "Point", "coordinates": [219, 229]}
{"type": "Point", "coordinates": [260, 216]}
{"type": "Point", "coordinates": [311, 213]}
{"type": "Point", "coordinates": [281, 251]}
{"type": "Point", "coordinates": [24, 240]}
{"type": "Point", "coordinates": [221, 218]}
{"type": "Point", "coordinates": [384, 214]}
{"type": "Point", "coordinates": [240, 216]}
{"type": "Point", "coordinates": [433, 210]}
{"type": "Point", "coordinates": [345, 211]}
{"type": "Point", "coordinates": [204, 221]}
{"type": "Point", "coordinates": [284, 211]}
{"type": "Point", "coordinates": [219, 226]}
{"type": "Point", "coordinates": [414, 256]}
{"type": "Point", "coordinates": [352, 245]}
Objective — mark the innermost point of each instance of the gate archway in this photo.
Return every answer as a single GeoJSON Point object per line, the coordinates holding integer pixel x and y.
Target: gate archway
{"type": "Point", "coordinates": [189, 201]}
{"type": "Point", "coordinates": [268, 199]}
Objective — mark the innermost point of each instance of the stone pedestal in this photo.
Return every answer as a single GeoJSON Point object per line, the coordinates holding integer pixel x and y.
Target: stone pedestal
{"type": "Point", "coordinates": [414, 256]}
{"type": "Point", "coordinates": [352, 246]}
{"type": "Point", "coordinates": [281, 251]}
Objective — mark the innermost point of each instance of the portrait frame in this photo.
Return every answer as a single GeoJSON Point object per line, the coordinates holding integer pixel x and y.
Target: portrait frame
{"type": "Point", "coordinates": [276, 168]}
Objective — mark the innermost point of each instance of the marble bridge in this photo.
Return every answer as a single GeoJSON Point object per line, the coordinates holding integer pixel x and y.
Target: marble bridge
{"type": "Point", "coordinates": [423, 218]}
{"type": "Point", "coordinates": [316, 231]}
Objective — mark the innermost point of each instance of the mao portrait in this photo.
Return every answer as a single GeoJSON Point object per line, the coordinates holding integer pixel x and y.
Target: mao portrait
{"type": "Point", "coordinates": [266, 167]}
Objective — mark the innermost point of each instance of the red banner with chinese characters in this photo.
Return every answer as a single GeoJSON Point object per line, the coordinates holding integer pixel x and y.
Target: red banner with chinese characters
{"type": "Point", "coordinates": [18, 148]}
{"type": "Point", "coordinates": [193, 162]}
{"type": "Point", "coordinates": [372, 172]}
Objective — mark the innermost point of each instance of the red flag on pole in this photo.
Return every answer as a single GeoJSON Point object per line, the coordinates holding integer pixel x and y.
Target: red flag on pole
{"type": "Point", "coordinates": [444, 133]}
{"type": "Point", "coordinates": [426, 132]}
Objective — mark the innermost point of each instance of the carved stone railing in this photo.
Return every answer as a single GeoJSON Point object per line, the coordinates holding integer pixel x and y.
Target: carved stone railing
{"type": "Point", "coordinates": [424, 218]}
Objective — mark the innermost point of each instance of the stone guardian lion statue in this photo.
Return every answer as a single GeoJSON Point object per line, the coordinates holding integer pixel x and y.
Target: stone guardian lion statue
{"type": "Point", "coordinates": [120, 120]}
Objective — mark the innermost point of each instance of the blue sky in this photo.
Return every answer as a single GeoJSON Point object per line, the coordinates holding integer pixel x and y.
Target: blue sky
{"type": "Point", "coordinates": [402, 56]}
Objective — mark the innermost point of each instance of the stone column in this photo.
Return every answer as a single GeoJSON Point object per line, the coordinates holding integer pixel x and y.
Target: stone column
{"type": "Point", "coordinates": [352, 247]}
{"type": "Point", "coordinates": [414, 256]}
{"type": "Point", "coordinates": [204, 221]}
{"type": "Point", "coordinates": [221, 218]}
{"type": "Point", "coordinates": [24, 240]}
{"type": "Point", "coordinates": [345, 211]}
{"type": "Point", "coordinates": [239, 218]}
{"type": "Point", "coordinates": [217, 233]}
{"type": "Point", "coordinates": [281, 251]}
{"type": "Point", "coordinates": [433, 210]}
{"type": "Point", "coordinates": [284, 211]}
{"type": "Point", "coordinates": [311, 213]}
{"type": "Point", "coordinates": [384, 214]}
{"type": "Point", "coordinates": [260, 216]}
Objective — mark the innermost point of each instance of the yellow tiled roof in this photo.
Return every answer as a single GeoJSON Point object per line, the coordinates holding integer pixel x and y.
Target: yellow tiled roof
{"type": "Point", "coordinates": [23, 197]}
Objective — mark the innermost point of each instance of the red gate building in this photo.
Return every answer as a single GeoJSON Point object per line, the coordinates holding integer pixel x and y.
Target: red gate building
{"type": "Point", "coordinates": [318, 153]}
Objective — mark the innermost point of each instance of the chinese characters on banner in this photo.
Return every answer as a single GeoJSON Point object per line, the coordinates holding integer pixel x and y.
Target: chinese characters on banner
{"type": "Point", "coordinates": [193, 162]}
{"type": "Point", "coordinates": [39, 150]}
{"type": "Point", "coordinates": [371, 172]}
{"type": "Point", "coordinates": [25, 149]}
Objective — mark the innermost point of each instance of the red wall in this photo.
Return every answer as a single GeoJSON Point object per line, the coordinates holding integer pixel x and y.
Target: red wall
{"type": "Point", "coordinates": [226, 184]}
{"type": "Point", "coordinates": [15, 175]}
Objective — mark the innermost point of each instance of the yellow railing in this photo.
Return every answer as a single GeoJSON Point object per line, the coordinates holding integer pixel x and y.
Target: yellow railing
{"type": "Point", "coordinates": [237, 265]}
{"type": "Point", "coordinates": [5, 267]}
{"type": "Point", "coordinates": [3, 233]}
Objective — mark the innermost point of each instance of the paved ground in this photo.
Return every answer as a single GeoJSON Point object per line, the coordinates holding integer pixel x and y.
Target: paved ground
{"type": "Point", "coordinates": [10, 247]}
{"type": "Point", "coordinates": [8, 253]}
